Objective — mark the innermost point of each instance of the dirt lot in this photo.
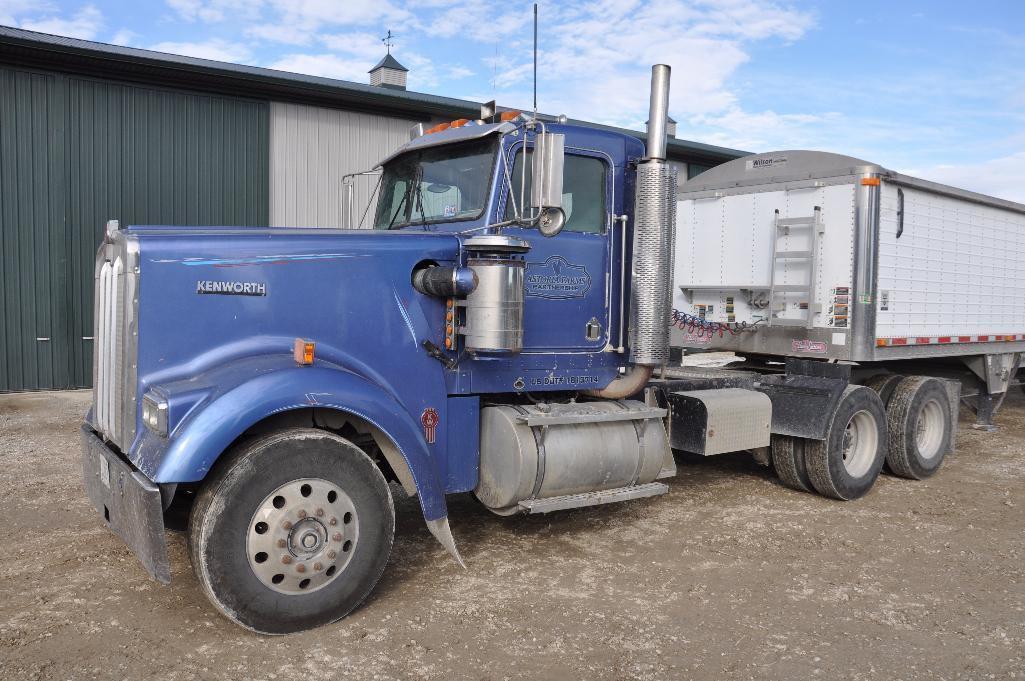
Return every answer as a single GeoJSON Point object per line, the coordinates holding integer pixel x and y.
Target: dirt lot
{"type": "Point", "coordinates": [728, 576]}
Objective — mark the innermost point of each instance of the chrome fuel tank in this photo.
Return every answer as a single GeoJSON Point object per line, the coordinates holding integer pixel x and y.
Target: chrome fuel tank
{"type": "Point", "coordinates": [550, 450]}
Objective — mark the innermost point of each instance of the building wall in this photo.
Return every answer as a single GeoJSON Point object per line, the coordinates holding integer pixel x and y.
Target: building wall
{"type": "Point", "coordinates": [75, 152]}
{"type": "Point", "coordinates": [312, 148]}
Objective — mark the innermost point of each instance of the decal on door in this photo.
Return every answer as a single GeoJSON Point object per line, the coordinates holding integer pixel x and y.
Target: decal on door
{"type": "Point", "coordinates": [556, 279]}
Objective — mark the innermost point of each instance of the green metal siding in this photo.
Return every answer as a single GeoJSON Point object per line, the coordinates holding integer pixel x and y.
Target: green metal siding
{"type": "Point", "coordinates": [75, 152]}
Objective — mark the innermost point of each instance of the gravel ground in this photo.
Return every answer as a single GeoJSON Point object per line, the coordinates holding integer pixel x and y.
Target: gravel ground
{"type": "Point", "coordinates": [728, 576]}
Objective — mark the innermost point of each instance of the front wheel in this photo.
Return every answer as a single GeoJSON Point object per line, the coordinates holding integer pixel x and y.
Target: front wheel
{"type": "Point", "coordinates": [291, 531]}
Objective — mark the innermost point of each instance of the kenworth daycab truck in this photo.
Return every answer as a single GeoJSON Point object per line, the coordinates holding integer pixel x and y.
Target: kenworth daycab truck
{"type": "Point", "coordinates": [504, 330]}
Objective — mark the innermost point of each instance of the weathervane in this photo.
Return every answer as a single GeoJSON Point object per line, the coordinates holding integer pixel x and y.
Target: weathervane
{"type": "Point", "coordinates": [388, 40]}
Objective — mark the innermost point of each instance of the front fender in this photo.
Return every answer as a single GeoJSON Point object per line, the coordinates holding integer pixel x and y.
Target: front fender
{"type": "Point", "coordinates": [211, 426]}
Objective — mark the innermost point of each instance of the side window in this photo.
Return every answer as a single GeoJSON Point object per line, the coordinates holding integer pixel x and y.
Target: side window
{"type": "Point", "coordinates": [583, 192]}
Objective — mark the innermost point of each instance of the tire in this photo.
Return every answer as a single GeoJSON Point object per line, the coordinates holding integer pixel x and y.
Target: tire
{"type": "Point", "coordinates": [333, 528]}
{"type": "Point", "coordinates": [884, 385]}
{"type": "Point", "coordinates": [846, 464]}
{"type": "Point", "coordinates": [920, 426]}
{"type": "Point", "coordinates": [788, 460]}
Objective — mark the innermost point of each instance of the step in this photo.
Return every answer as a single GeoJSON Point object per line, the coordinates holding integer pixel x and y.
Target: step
{"type": "Point", "coordinates": [581, 416]}
{"type": "Point", "coordinates": [608, 496]}
{"type": "Point", "coordinates": [795, 222]}
{"type": "Point", "coordinates": [779, 255]}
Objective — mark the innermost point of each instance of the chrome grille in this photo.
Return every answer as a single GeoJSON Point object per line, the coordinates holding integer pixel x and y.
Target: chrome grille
{"type": "Point", "coordinates": [114, 334]}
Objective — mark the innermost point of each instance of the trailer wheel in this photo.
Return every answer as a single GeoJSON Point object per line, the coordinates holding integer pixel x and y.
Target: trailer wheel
{"type": "Point", "coordinates": [847, 462]}
{"type": "Point", "coordinates": [884, 385]}
{"type": "Point", "coordinates": [788, 460]}
{"type": "Point", "coordinates": [291, 531]}
{"type": "Point", "coordinates": [920, 427]}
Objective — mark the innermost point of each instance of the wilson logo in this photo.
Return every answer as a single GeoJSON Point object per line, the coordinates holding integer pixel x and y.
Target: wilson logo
{"type": "Point", "coordinates": [556, 279]}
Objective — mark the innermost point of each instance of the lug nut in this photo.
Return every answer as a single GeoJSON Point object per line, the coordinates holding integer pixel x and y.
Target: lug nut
{"type": "Point", "coordinates": [300, 568]}
{"type": "Point", "coordinates": [318, 566]}
{"type": "Point", "coordinates": [320, 512]}
{"type": "Point", "coordinates": [302, 513]}
{"type": "Point", "coordinates": [337, 536]}
{"type": "Point", "coordinates": [287, 524]}
{"type": "Point", "coordinates": [282, 543]}
{"type": "Point", "coordinates": [286, 559]}
{"type": "Point", "coordinates": [332, 554]}
{"type": "Point", "coordinates": [333, 521]}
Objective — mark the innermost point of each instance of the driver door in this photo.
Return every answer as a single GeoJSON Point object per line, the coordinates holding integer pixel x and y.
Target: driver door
{"type": "Point", "coordinates": [565, 284]}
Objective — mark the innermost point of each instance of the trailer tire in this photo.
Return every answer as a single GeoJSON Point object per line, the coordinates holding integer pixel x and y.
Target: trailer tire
{"type": "Point", "coordinates": [884, 385]}
{"type": "Point", "coordinates": [291, 530]}
{"type": "Point", "coordinates": [847, 462]}
{"type": "Point", "coordinates": [788, 461]}
{"type": "Point", "coordinates": [920, 426]}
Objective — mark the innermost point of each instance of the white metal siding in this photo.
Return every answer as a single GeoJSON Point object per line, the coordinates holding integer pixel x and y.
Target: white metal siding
{"type": "Point", "coordinates": [724, 244]}
{"type": "Point", "coordinates": [958, 269]}
{"type": "Point", "coordinates": [311, 148]}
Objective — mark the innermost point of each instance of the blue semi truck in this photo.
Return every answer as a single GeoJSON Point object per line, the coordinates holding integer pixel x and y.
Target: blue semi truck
{"type": "Point", "coordinates": [503, 331]}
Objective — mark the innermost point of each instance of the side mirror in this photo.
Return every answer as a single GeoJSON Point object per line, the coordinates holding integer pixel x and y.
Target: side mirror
{"type": "Point", "coordinates": [547, 165]}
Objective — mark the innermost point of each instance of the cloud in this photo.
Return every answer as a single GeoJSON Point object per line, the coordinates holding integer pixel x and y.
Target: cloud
{"type": "Point", "coordinates": [214, 49]}
{"type": "Point", "coordinates": [326, 65]}
{"type": "Point", "coordinates": [216, 11]}
{"type": "Point", "coordinates": [596, 67]}
{"type": "Point", "coordinates": [10, 10]}
{"type": "Point", "coordinates": [85, 23]}
{"type": "Point", "coordinates": [1001, 177]}
{"type": "Point", "coordinates": [123, 37]}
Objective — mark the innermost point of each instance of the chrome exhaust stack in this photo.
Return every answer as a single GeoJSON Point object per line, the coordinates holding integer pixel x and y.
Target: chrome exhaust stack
{"type": "Point", "coordinates": [654, 228]}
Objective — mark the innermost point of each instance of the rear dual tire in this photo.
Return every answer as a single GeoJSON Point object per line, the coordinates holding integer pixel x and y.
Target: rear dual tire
{"type": "Point", "coordinates": [921, 427]}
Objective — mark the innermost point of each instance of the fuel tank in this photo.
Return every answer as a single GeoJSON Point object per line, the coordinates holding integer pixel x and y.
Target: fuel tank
{"type": "Point", "coordinates": [550, 450]}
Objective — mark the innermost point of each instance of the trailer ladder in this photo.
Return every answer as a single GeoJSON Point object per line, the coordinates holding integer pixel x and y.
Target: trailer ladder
{"type": "Point", "coordinates": [778, 291]}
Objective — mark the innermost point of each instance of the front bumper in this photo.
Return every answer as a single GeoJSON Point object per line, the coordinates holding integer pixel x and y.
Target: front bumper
{"type": "Point", "coordinates": [129, 502]}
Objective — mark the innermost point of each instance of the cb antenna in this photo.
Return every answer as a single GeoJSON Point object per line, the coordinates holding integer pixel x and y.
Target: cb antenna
{"type": "Point", "coordinates": [535, 60]}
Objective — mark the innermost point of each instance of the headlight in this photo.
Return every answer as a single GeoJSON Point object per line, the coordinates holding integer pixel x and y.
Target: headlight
{"type": "Point", "coordinates": [154, 414]}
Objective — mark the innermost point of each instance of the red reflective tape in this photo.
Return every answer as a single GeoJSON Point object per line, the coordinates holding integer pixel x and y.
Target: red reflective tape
{"type": "Point", "coordinates": [983, 339]}
{"type": "Point", "coordinates": [899, 341]}
{"type": "Point", "coordinates": [943, 339]}
{"type": "Point", "coordinates": [922, 341]}
{"type": "Point", "coordinates": [964, 339]}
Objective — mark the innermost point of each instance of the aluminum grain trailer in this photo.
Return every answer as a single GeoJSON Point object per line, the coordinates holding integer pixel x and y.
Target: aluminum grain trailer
{"type": "Point", "coordinates": [890, 281]}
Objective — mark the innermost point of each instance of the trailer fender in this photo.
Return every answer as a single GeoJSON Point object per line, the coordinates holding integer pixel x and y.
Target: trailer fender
{"type": "Point", "coordinates": [210, 427]}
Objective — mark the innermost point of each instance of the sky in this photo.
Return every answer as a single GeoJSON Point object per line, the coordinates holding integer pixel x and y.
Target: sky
{"type": "Point", "coordinates": [932, 88]}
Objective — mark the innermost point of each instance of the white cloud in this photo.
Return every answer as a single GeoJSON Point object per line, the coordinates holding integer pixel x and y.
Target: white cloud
{"type": "Point", "coordinates": [85, 23]}
{"type": "Point", "coordinates": [215, 11]}
{"type": "Point", "coordinates": [215, 49]}
{"type": "Point", "coordinates": [594, 56]}
{"type": "Point", "coordinates": [1000, 177]}
{"type": "Point", "coordinates": [326, 65]}
{"type": "Point", "coordinates": [10, 10]}
{"type": "Point", "coordinates": [123, 37]}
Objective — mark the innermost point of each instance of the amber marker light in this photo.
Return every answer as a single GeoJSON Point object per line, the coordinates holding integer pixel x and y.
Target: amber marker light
{"type": "Point", "coordinates": [302, 352]}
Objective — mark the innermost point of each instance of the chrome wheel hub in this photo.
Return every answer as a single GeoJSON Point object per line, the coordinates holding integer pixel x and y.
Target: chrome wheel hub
{"type": "Point", "coordinates": [929, 429]}
{"type": "Point", "coordinates": [302, 536]}
{"type": "Point", "coordinates": [860, 442]}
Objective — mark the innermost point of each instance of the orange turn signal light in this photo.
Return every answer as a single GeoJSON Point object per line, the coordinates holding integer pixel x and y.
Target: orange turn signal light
{"type": "Point", "coordinates": [459, 122]}
{"type": "Point", "coordinates": [508, 115]}
{"type": "Point", "coordinates": [870, 181]}
{"type": "Point", "coordinates": [302, 352]}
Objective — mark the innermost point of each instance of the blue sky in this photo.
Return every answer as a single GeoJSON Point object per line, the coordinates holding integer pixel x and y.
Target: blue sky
{"type": "Point", "coordinates": [933, 88]}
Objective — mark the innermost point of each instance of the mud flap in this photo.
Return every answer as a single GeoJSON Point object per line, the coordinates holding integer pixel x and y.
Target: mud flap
{"type": "Point", "coordinates": [129, 503]}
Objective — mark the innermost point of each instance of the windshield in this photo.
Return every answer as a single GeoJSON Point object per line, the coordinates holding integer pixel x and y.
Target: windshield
{"type": "Point", "coordinates": [439, 184]}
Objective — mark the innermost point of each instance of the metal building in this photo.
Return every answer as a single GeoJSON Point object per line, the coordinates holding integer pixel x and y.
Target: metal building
{"type": "Point", "coordinates": [90, 131]}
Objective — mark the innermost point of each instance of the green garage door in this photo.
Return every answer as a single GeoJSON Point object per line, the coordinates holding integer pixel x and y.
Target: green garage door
{"type": "Point", "coordinates": [75, 152]}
